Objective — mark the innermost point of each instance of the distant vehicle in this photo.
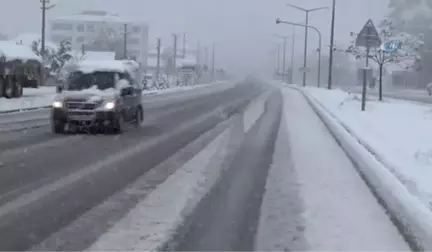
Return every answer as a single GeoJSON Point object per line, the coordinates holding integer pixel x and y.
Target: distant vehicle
{"type": "Point", "coordinates": [147, 79]}
{"type": "Point", "coordinates": [429, 89]}
{"type": "Point", "coordinates": [99, 96]}
{"type": "Point", "coordinates": [19, 68]}
{"type": "Point", "coordinates": [188, 74]}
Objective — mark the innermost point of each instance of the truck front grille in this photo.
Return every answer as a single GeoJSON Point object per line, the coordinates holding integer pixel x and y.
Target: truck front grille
{"type": "Point", "coordinates": [80, 105]}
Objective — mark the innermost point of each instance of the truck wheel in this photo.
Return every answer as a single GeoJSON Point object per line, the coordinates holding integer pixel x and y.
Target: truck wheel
{"type": "Point", "coordinates": [57, 127]}
{"type": "Point", "coordinates": [8, 89]}
{"type": "Point", "coordinates": [17, 90]}
{"type": "Point", "coordinates": [118, 125]}
{"type": "Point", "coordinates": [1, 88]}
{"type": "Point", "coordinates": [139, 117]}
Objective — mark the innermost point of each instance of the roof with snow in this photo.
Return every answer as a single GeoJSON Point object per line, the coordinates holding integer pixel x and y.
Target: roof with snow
{"type": "Point", "coordinates": [89, 66]}
{"type": "Point", "coordinates": [96, 16]}
{"type": "Point", "coordinates": [29, 38]}
{"type": "Point", "coordinates": [12, 51]}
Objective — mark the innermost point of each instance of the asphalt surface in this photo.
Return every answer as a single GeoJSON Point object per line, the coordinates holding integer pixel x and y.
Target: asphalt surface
{"type": "Point", "coordinates": [48, 181]}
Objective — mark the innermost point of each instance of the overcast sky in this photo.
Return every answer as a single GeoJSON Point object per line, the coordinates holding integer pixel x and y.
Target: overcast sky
{"type": "Point", "coordinates": [242, 29]}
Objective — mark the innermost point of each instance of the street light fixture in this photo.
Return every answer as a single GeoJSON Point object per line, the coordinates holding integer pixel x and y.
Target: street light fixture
{"type": "Point", "coordinates": [307, 11]}
{"type": "Point", "coordinates": [279, 21]}
{"type": "Point", "coordinates": [331, 46]}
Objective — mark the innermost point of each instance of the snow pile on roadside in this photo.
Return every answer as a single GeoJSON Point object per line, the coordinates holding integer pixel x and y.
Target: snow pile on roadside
{"type": "Point", "coordinates": [25, 103]}
{"type": "Point", "coordinates": [397, 132]}
{"type": "Point", "coordinates": [43, 97]}
{"type": "Point", "coordinates": [39, 91]}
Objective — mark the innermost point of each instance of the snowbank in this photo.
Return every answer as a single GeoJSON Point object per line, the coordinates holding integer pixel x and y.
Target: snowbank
{"type": "Point", "coordinates": [396, 134]}
{"type": "Point", "coordinates": [399, 132]}
{"type": "Point", "coordinates": [25, 103]}
{"type": "Point", "coordinates": [43, 97]}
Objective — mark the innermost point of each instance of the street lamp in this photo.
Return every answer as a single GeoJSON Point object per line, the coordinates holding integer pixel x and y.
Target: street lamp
{"type": "Point", "coordinates": [279, 21]}
{"type": "Point", "coordinates": [307, 11]}
{"type": "Point", "coordinates": [331, 46]}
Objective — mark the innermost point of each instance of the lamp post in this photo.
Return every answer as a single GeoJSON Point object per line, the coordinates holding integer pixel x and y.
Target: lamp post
{"type": "Point", "coordinates": [331, 46]}
{"type": "Point", "coordinates": [306, 11]}
{"type": "Point", "coordinates": [279, 21]}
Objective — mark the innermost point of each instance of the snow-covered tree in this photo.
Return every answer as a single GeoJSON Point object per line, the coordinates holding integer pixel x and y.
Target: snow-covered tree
{"type": "Point", "coordinates": [415, 17]}
{"type": "Point", "coordinates": [407, 57]}
{"type": "Point", "coordinates": [55, 60]}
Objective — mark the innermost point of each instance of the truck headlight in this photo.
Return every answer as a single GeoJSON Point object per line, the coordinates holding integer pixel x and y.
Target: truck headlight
{"type": "Point", "coordinates": [109, 105]}
{"type": "Point", "coordinates": [57, 104]}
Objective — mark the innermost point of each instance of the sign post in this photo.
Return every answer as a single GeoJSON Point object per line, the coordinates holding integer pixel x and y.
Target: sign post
{"type": "Point", "coordinates": [369, 38]}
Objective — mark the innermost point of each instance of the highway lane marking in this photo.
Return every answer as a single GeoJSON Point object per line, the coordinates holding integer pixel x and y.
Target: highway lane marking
{"type": "Point", "coordinates": [72, 178]}
{"type": "Point", "coordinates": [153, 221]}
{"type": "Point", "coordinates": [254, 111]}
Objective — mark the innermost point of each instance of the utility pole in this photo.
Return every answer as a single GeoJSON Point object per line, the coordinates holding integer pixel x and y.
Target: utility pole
{"type": "Point", "coordinates": [175, 52]}
{"type": "Point", "coordinates": [213, 62]}
{"type": "Point", "coordinates": [158, 60]}
{"type": "Point", "coordinates": [45, 6]}
{"type": "Point", "coordinates": [278, 59]}
{"type": "Point", "coordinates": [198, 54]}
{"type": "Point", "coordinates": [184, 45]}
{"type": "Point", "coordinates": [284, 60]}
{"type": "Point", "coordinates": [206, 56]}
{"type": "Point", "coordinates": [305, 49]}
{"type": "Point", "coordinates": [125, 41]}
{"type": "Point", "coordinates": [292, 56]}
{"type": "Point", "coordinates": [331, 46]}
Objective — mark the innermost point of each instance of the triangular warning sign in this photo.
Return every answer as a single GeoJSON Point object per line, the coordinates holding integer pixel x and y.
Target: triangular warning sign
{"type": "Point", "coordinates": [368, 36]}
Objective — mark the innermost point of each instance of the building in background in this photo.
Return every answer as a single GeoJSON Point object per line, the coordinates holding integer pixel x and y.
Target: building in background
{"type": "Point", "coordinates": [100, 31]}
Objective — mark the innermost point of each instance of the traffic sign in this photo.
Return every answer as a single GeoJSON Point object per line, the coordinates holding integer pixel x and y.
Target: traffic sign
{"type": "Point", "coordinates": [368, 36]}
{"type": "Point", "coordinates": [391, 46]}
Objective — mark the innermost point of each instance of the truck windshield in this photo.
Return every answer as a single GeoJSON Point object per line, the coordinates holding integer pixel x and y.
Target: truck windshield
{"type": "Point", "coordinates": [99, 80]}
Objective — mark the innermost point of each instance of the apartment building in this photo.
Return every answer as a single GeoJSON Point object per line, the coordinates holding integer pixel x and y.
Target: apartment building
{"type": "Point", "coordinates": [100, 31]}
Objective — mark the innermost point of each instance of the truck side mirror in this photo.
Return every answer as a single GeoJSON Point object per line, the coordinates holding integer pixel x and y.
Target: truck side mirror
{"type": "Point", "coordinates": [126, 91]}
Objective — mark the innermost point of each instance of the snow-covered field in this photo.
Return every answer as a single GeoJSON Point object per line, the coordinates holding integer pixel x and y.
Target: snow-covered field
{"type": "Point", "coordinates": [43, 97]}
{"type": "Point", "coordinates": [397, 132]}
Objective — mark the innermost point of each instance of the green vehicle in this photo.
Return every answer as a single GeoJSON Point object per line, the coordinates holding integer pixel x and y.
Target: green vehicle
{"type": "Point", "coordinates": [19, 68]}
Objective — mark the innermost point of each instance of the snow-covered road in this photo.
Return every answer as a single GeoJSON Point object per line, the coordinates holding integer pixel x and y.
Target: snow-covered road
{"type": "Point", "coordinates": [231, 168]}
